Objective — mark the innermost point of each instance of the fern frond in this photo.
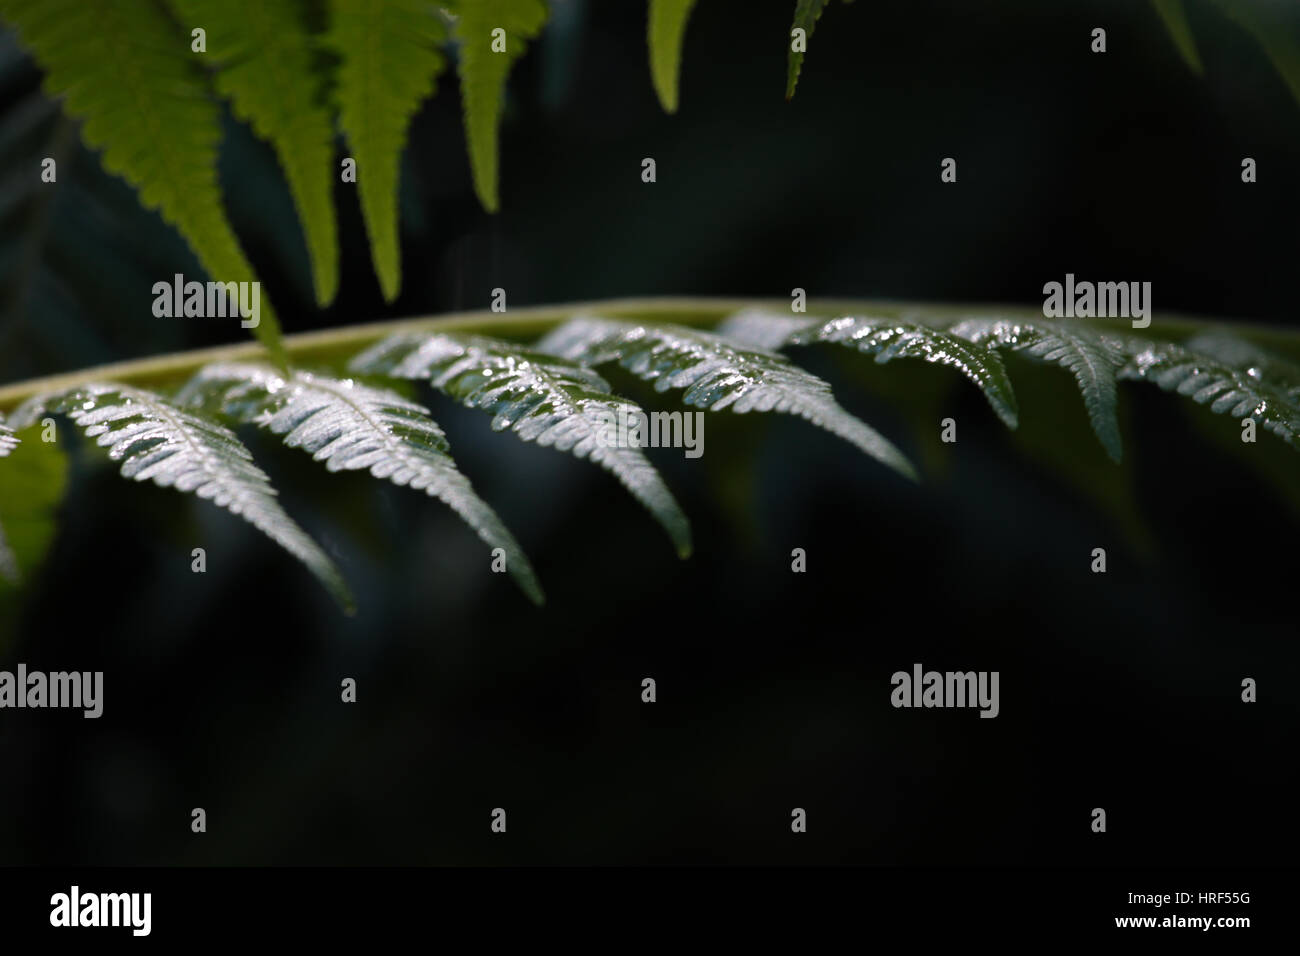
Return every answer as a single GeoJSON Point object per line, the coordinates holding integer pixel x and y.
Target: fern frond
{"type": "Point", "coordinates": [352, 427]}
{"type": "Point", "coordinates": [483, 74]}
{"type": "Point", "coordinates": [264, 54]}
{"type": "Point", "coordinates": [390, 59]}
{"type": "Point", "coordinates": [665, 31]}
{"type": "Point", "coordinates": [541, 398]}
{"type": "Point", "coordinates": [1175, 19]}
{"type": "Point", "coordinates": [1092, 358]}
{"type": "Point", "coordinates": [157, 440]}
{"type": "Point", "coordinates": [886, 339]}
{"type": "Point", "coordinates": [806, 14]}
{"type": "Point", "coordinates": [8, 440]}
{"type": "Point", "coordinates": [717, 374]}
{"type": "Point", "coordinates": [128, 71]}
{"type": "Point", "coordinates": [1227, 390]}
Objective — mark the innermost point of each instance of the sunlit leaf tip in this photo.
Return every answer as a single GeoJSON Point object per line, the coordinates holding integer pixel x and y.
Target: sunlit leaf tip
{"type": "Point", "coordinates": [492, 35]}
{"type": "Point", "coordinates": [806, 14]}
{"type": "Point", "coordinates": [666, 31]}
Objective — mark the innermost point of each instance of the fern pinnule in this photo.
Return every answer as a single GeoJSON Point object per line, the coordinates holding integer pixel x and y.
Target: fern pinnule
{"type": "Point", "coordinates": [541, 398]}
{"type": "Point", "coordinates": [665, 31]}
{"type": "Point", "coordinates": [349, 426]}
{"type": "Point", "coordinates": [483, 74]}
{"type": "Point", "coordinates": [125, 69]}
{"type": "Point", "coordinates": [390, 58]}
{"type": "Point", "coordinates": [1091, 357]}
{"type": "Point", "coordinates": [806, 15]}
{"type": "Point", "coordinates": [156, 439]}
{"type": "Point", "coordinates": [264, 58]}
{"type": "Point", "coordinates": [886, 339]}
{"type": "Point", "coordinates": [718, 374]}
{"type": "Point", "coordinates": [1227, 390]}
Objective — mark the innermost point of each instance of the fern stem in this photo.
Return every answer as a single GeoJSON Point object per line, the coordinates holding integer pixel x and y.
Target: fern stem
{"type": "Point", "coordinates": [331, 348]}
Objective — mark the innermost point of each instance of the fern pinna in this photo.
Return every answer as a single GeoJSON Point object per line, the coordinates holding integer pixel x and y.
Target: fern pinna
{"type": "Point", "coordinates": [179, 435]}
{"type": "Point", "coordinates": [137, 73]}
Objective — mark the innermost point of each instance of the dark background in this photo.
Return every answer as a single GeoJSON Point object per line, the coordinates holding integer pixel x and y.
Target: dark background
{"type": "Point", "coordinates": [1118, 690]}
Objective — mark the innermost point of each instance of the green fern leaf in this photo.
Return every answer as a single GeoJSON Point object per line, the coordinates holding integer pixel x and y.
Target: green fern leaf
{"type": "Point", "coordinates": [390, 61]}
{"type": "Point", "coordinates": [483, 74]}
{"type": "Point", "coordinates": [1227, 390]}
{"type": "Point", "coordinates": [352, 427]}
{"type": "Point", "coordinates": [806, 14]}
{"type": "Point", "coordinates": [1175, 18]}
{"type": "Point", "coordinates": [264, 58]}
{"type": "Point", "coordinates": [1092, 358]}
{"type": "Point", "coordinates": [541, 398]}
{"type": "Point", "coordinates": [127, 70]}
{"type": "Point", "coordinates": [717, 374]}
{"type": "Point", "coordinates": [157, 440]}
{"type": "Point", "coordinates": [886, 339]}
{"type": "Point", "coordinates": [665, 31]}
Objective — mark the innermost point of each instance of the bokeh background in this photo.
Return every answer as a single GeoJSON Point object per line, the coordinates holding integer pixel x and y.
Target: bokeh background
{"type": "Point", "coordinates": [1118, 691]}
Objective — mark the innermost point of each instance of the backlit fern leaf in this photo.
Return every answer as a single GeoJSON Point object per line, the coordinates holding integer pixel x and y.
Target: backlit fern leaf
{"type": "Point", "coordinates": [127, 70]}
{"type": "Point", "coordinates": [665, 31]}
{"type": "Point", "coordinates": [886, 339]}
{"type": "Point", "coordinates": [483, 74]}
{"type": "Point", "coordinates": [1227, 390]}
{"type": "Point", "coordinates": [390, 59]}
{"type": "Point", "coordinates": [264, 58]}
{"type": "Point", "coordinates": [541, 398]}
{"type": "Point", "coordinates": [717, 374]}
{"type": "Point", "coordinates": [806, 14]}
{"type": "Point", "coordinates": [1091, 357]}
{"type": "Point", "coordinates": [157, 440]}
{"type": "Point", "coordinates": [353, 427]}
